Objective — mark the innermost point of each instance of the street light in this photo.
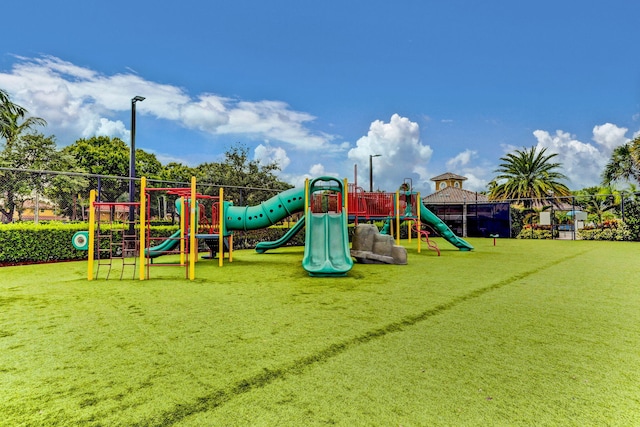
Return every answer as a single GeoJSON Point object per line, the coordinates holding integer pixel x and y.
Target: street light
{"type": "Point", "coordinates": [371, 156]}
{"type": "Point", "coordinates": [132, 161]}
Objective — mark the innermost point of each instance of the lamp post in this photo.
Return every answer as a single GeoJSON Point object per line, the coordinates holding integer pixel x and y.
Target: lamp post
{"type": "Point", "coordinates": [132, 161]}
{"type": "Point", "coordinates": [552, 216]}
{"type": "Point", "coordinates": [371, 156]}
{"type": "Point", "coordinates": [464, 215]}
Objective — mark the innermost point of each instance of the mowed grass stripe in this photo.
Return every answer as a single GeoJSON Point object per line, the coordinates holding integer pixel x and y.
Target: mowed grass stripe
{"type": "Point", "coordinates": [220, 397]}
{"type": "Point", "coordinates": [538, 352]}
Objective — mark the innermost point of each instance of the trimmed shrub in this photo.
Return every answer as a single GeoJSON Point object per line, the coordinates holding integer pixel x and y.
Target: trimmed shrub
{"type": "Point", "coordinates": [620, 232]}
{"type": "Point", "coordinates": [27, 242]}
{"type": "Point", "coordinates": [537, 233]}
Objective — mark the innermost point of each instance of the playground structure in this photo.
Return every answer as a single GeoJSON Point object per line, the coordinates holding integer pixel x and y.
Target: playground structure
{"type": "Point", "coordinates": [328, 204]}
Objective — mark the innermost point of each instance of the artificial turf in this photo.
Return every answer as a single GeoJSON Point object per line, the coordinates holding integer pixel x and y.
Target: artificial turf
{"type": "Point", "coordinates": [521, 333]}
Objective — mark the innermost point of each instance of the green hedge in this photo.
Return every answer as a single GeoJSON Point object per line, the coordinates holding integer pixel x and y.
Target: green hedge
{"type": "Point", "coordinates": [28, 242]}
{"type": "Point", "coordinates": [619, 233]}
{"type": "Point", "coordinates": [528, 233]}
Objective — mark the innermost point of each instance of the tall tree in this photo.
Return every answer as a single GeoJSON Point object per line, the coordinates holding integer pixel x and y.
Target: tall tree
{"type": "Point", "coordinates": [597, 201]}
{"type": "Point", "coordinates": [176, 172]}
{"type": "Point", "coordinates": [624, 163]}
{"type": "Point", "coordinates": [245, 180]}
{"type": "Point", "coordinates": [103, 155]}
{"type": "Point", "coordinates": [20, 149]}
{"type": "Point", "coordinates": [14, 121]}
{"type": "Point", "coordinates": [30, 151]}
{"type": "Point", "coordinates": [529, 176]}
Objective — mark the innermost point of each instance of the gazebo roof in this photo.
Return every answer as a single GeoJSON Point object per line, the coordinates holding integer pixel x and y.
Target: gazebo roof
{"type": "Point", "coordinates": [448, 175]}
{"type": "Point", "coordinates": [453, 195]}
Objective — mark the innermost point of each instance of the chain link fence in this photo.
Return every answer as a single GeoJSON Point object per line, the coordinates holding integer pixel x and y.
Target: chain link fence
{"type": "Point", "coordinates": [37, 196]}
{"type": "Point", "coordinates": [596, 216]}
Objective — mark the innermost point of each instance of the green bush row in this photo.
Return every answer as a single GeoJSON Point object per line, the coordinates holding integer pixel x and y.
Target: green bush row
{"type": "Point", "coordinates": [620, 233]}
{"type": "Point", "coordinates": [537, 233]}
{"type": "Point", "coordinates": [28, 242]}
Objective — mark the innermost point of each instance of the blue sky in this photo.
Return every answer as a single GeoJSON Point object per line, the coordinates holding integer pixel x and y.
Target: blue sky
{"type": "Point", "coordinates": [431, 86]}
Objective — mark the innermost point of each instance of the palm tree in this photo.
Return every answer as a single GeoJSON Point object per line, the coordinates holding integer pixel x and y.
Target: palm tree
{"type": "Point", "coordinates": [13, 126]}
{"type": "Point", "coordinates": [528, 176]}
{"type": "Point", "coordinates": [624, 163]}
{"type": "Point", "coordinates": [597, 201]}
{"type": "Point", "coordinates": [12, 120]}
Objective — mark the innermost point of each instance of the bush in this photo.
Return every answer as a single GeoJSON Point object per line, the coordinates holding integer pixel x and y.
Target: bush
{"type": "Point", "coordinates": [620, 232]}
{"type": "Point", "coordinates": [28, 242]}
{"type": "Point", "coordinates": [632, 217]}
{"type": "Point", "coordinates": [536, 231]}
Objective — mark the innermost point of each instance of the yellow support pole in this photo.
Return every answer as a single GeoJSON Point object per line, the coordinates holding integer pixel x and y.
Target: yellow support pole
{"type": "Point", "coordinates": [419, 223]}
{"type": "Point", "coordinates": [183, 230]}
{"type": "Point", "coordinates": [143, 225]}
{"type": "Point", "coordinates": [92, 234]}
{"type": "Point", "coordinates": [193, 229]}
{"type": "Point", "coordinates": [398, 218]}
{"type": "Point", "coordinates": [306, 196]}
{"type": "Point", "coordinates": [221, 229]}
{"type": "Point", "coordinates": [346, 197]}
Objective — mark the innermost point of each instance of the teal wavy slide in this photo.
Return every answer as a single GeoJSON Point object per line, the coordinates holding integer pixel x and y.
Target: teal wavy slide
{"type": "Point", "coordinates": [164, 247]}
{"type": "Point", "coordinates": [430, 218]}
{"type": "Point", "coordinates": [262, 247]}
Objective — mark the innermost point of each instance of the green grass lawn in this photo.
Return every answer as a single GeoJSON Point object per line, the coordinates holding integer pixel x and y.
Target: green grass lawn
{"type": "Point", "coordinates": [518, 334]}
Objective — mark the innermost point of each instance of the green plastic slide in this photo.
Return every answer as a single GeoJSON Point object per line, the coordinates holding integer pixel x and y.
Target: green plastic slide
{"type": "Point", "coordinates": [326, 249]}
{"type": "Point", "coordinates": [164, 247]}
{"type": "Point", "coordinates": [430, 218]}
{"type": "Point", "coordinates": [262, 247]}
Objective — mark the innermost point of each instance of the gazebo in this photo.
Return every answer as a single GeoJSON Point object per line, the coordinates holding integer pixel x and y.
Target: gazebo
{"type": "Point", "coordinates": [467, 213]}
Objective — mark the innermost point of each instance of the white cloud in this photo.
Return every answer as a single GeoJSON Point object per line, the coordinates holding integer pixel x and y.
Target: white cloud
{"type": "Point", "coordinates": [581, 162]}
{"type": "Point", "coordinates": [77, 101]}
{"type": "Point", "coordinates": [462, 159]}
{"type": "Point", "coordinates": [402, 155]}
{"type": "Point", "coordinates": [108, 127]}
{"type": "Point", "coordinates": [273, 120]}
{"type": "Point", "coordinates": [267, 154]}
{"type": "Point", "coordinates": [317, 170]}
{"type": "Point", "coordinates": [610, 136]}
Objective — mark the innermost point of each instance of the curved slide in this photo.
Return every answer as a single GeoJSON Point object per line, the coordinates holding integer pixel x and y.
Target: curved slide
{"type": "Point", "coordinates": [430, 218]}
{"type": "Point", "coordinates": [164, 247]}
{"type": "Point", "coordinates": [262, 247]}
